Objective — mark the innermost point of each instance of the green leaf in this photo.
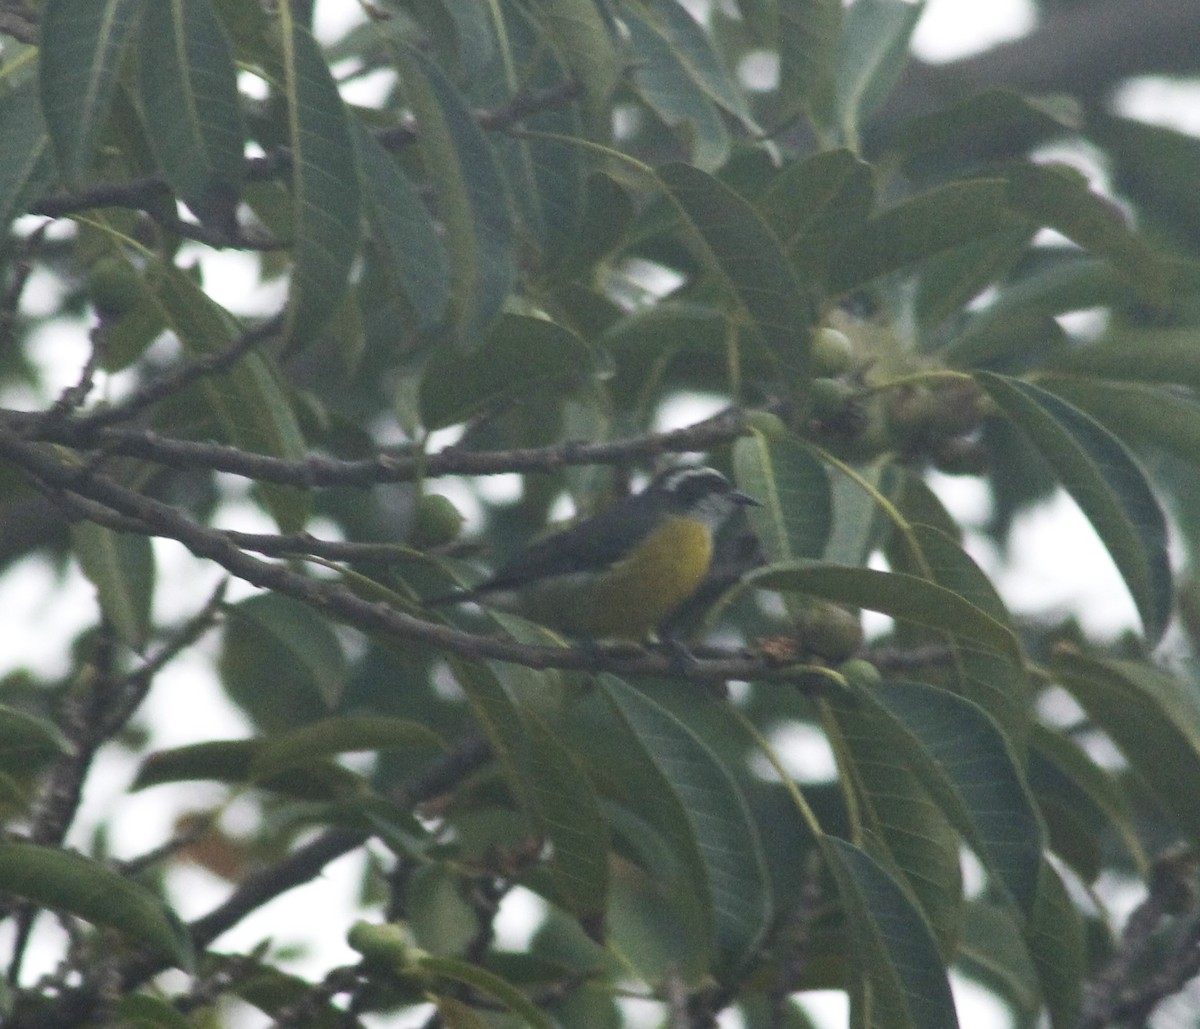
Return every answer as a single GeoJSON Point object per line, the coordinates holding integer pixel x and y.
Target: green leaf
{"type": "Point", "coordinates": [141, 1011]}
{"type": "Point", "coordinates": [905, 597]}
{"type": "Point", "coordinates": [79, 56]}
{"type": "Point", "coordinates": [993, 952]}
{"type": "Point", "coordinates": [974, 124]}
{"type": "Point", "coordinates": [872, 52]}
{"type": "Point", "coordinates": [586, 42]}
{"type": "Point", "coordinates": [811, 204]}
{"type": "Point", "coordinates": [1152, 717]}
{"type": "Point", "coordinates": [1058, 945]}
{"type": "Point", "coordinates": [698, 53]}
{"type": "Point", "coordinates": [952, 279]}
{"type": "Point", "coordinates": [1105, 481]}
{"type": "Point", "coordinates": [28, 742]}
{"type": "Point", "coordinates": [404, 231]}
{"type": "Point", "coordinates": [233, 762]}
{"type": "Point", "coordinates": [1058, 196]}
{"type": "Point", "coordinates": [792, 486]}
{"type": "Point", "coordinates": [522, 356]}
{"type": "Point", "coordinates": [546, 169]}
{"type": "Point", "coordinates": [482, 980]}
{"type": "Point", "coordinates": [1018, 322]}
{"type": "Point", "coordinates": [249, 402]}
{"type": "Point", "coordinates": [189, 98]}
{"type": "Point", "coordinates": [546, 780]}
{"type": "Point", "coordinates": [719, 824]}
{"type": "Point", "coordinates": [970, 769]}
{"type": "Point", "coordinates": [993, 679]}
{"type": "Point", "coordinates": [833, 187]}
{"type": "Point", "coordinates": [473, 197]}
{"type": "Point", "coordinates": [1081, 798]}
{"type": "Point", "coordinates": [919, 228]}
{"type": "Point", "coordinates": [894, 947]}
{"type": "Point", "coordinates": [121, 567]}
{"type": "Point", "coordinates": [665, 83]}
{"type": "Point", "coordinates": [26, 168]}
{"type": "Point", "coordinates": [281, 662]}
{"type": "Point", "coordinates": [342, 735]}
{"type": "Point", "coordinates": [749, 259]}
{"type": "Point", "coordinates": [324, 181]}
{"type": "Point", "coordinates": [64, 881]}
{"type": "Point", "coordinates": [1139, 414]}
{"type": "Point", "coordinates": [1166, 356]}
{"type": "Point", "coordinates": [903, 823]}
{"type": "Point", "coordinates": [809, 32]}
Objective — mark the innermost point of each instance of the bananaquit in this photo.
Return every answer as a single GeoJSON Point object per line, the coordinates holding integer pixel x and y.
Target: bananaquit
{"type": "Point", "coordinates": [619, 573]}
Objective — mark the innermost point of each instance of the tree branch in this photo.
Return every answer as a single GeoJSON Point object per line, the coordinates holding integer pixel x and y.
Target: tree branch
{"type": "Point", "coordinates": [336, 600]}
{"type": "Point", "coordinates": [91, 432]}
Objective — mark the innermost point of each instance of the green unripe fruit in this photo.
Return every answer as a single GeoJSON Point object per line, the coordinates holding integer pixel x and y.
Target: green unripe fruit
{"type": "Point", "coordinates": [387, 944]}
{"type": "Point", "coordinates": [828, 397]}
{"type": "Point", "coordinates": [436, 521]}
{"type": "Point", "coordinates": [830, 631]}
{"type": "Point", "coordinates": [832, 352]}
{"type": "Point", "coordinates": [771, 426]}
{"type": "Point", "coordinates": [860, 672]}
{"type": "Point", "coordinates": [113, 286]}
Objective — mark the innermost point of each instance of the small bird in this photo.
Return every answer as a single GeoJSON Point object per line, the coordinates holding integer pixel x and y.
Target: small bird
{"type": "Point", "coordinates": [619, 573]}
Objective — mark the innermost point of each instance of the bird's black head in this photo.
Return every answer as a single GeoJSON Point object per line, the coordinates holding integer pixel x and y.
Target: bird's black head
{"type": "Point", "coordinates": [701, 492]}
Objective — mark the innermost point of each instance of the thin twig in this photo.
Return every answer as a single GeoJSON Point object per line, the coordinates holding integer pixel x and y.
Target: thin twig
{"type": "Point", "coordinates": [91, 431]}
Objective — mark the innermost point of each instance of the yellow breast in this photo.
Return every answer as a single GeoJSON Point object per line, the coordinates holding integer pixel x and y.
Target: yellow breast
{"type": "Point", "coordinates": [666, 568]}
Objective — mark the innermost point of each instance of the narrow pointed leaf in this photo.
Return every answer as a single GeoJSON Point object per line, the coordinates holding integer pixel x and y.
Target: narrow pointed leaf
{"type": "Point", "coordinates": [906, 597]}
{"type": "Point", "coordinates": [343, 735]}
{"type": "Point", "coordinates": [919, 228]}
{"type": "Point", "coordinates": [873, 51]}
{"type": "Point", "coordinates": [993, 679]}
{"type": "Point", "coordinates": [808, 52]}
{"type": "Point", "coordinates": [1141, 415]}
{"type": "Point", "coordinates": [1058, 945]}
{"type": "Point", "coordinates": [994, 953]}
{"type": "Point", "coordinates": [324, 181]}
{"type": "Point", "coordinates": [80, 54]}
{"type": "Point", "coordinates": [473, 197]}
{"type": "Point", "coordinates": [1168, 356]}
{"type": "Point", "coordinates": [26, 165]}
{"type": "Point", "coordinates": [27, 742]}
{"type": "Point", "coordinates": [64, 881]}
{"type": "Point", "coordinates": [969, 768]}
{"type": "Point", "coordinates": [121, 567]}
{"type": "Point", "coordinates": [749, 259]}
{"type": "Point", "coordinates": [583, 37]}
{"type": "Point", "coordinates": [522, 357]}
{"type": "Point", "coordinates": [1107, 484]}
{"type": "Point", "coordinates": [905, 826]}
{"type": "Point", "coordinates": [705, 64]}
{"type": "Point", "coordinates": [1152, 717]}
{"type": "Point", "coordinates": [233, 761]}
{"type": "Point", "coordinates": [665, 83]}
{"type": "Point", "coordinates": [792, 486]}
{"type": "Point", "coordinates": [548, 783]}
{"type": "Point", "coordinates": [249, 402]}
{"type": "Point", "coordinates": [189, 97]}
{"type": "Point", "coordinates": [896, 950]}
{"type": "Point", "coordinates": [281, 661]}
{"type": "Point", "coordinates": [1059, 196]}
{"type": "Point", "coordinates": [719, 822]}
{"type": "Point", "coordinates": [483, 981]}
{"type": "Point", "coordinates": [404, 231]}
{"type": "Point", "coordinates": [812, 204]}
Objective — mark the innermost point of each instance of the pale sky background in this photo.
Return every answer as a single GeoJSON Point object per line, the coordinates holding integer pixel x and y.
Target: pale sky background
{"type": "Point", "coordinates": [1058, 565]}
